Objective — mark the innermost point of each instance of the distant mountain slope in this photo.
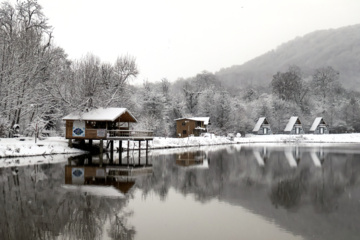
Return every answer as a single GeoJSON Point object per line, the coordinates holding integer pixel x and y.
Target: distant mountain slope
{"type": "Point", "coordinates": [339, 48]}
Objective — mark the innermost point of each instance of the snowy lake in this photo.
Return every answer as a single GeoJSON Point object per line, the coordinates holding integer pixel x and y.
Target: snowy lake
{"type": "Point", "coordinates": [218, 192]}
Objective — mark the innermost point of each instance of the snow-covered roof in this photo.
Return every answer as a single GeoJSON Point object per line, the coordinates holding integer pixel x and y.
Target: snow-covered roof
{"type": "Point", "coordinates": [206, 120]}
{"type": "Point", "coordinates": [100, 114]}
{"type": "Point", "coordinates": [258, 124]}
{"type": "Point", "coordinates": [315, 124]}
{"type": "Point", "coordinates": [291, 124]}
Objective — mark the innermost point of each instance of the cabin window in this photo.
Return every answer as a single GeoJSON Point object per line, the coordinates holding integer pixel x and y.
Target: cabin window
{"type": "Point", "coordinates": [183, 123]}
{"type": "Point", "coordinates": [184, 131]}
{"type": "Point", "coordinates": [97, 125]}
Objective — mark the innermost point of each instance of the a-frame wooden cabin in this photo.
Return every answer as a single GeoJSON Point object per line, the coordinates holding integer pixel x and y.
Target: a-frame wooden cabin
{"type": "Point", "coordinates": [294, 126]}
{"type": "Point", "coordinates": [262, 127]}
{"type": "Point", "coordinates": [319, 126]}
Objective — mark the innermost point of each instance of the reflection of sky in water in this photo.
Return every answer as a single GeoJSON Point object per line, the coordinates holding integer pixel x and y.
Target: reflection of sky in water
{"type": "Point", "coordinates": [182, 217]}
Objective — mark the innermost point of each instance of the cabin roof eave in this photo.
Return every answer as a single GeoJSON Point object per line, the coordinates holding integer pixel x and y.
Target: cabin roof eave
{"type": "Point", "coordinates": [100, 114]}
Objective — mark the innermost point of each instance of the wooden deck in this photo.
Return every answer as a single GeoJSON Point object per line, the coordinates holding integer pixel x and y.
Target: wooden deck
{"type": "Point", "coordinates": [103, 134]}
{"type": "Point", "coordinates": [129, 135]}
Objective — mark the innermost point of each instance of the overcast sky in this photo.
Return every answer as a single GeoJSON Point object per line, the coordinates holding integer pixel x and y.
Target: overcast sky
{"type": "Point", "coordinates": [180, 38]}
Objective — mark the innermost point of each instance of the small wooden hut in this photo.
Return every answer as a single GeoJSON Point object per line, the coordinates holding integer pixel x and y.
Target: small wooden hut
{"type": "Point", "coordinates": [103, 123]}
{"type": "Point", "coordinates": [294, 126]}
{"type": "Point", "coordinates": [191, 126]}
{"type": "Point", "coordinates": [319, 126]}
{"type": "Point", "coordinates": [262, 127]}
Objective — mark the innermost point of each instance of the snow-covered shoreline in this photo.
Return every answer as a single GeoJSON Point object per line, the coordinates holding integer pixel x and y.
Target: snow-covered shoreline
{"type": "Point", "coordinates": [21, 147]}
{"type": "Point", "coordinates": [26, 147]}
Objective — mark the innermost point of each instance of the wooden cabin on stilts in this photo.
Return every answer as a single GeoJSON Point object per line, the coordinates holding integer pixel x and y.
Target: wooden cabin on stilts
{"type": "Point", "coordinates": [105, 124]}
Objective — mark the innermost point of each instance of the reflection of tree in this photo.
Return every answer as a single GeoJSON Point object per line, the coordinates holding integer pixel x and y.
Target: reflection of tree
{"type": "Point", "coordinates": [325, 197]}
{"type": "Point", "coordinates": [119, 230]}
{"type": "Point", "coordinates": [34, 206]}
{"type": "Point", "coordinates": [84, 219]}
{"type": "Point", "coordinates": [86, 216]}
{"type": "Point", "coordinates": [289, 191]}
{"type": "Point", "coordinates": [286, 193]}
{"type": "Point", "coordinates": [326, 191]}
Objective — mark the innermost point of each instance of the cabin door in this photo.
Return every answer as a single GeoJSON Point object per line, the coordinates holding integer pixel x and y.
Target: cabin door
{"type": "Point", "coordinates": [321, 130]}
{"type": "Point", "coordinates": [265, 130]}
{"type": "Point", "coordinates": [297, 130]}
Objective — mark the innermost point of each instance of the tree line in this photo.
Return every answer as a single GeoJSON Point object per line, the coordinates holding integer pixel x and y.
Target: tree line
{"type": "Point", "coordinates": [39, 85]}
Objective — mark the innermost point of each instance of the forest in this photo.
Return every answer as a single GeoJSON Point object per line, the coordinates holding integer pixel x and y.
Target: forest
{"type": "Point", "coordinates": [39, 85]}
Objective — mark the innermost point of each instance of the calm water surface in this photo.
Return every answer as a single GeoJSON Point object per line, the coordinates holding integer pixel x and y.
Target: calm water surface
{"type": "Point", "coordinates": [225, 192]}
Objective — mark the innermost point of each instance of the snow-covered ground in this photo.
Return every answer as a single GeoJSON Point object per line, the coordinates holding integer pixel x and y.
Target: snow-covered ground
{"type": "Point", "coordinates": [19, 147]}
{"type": "Point", "coordinates": [305, 138]}
{"type": "Point", "coordinates": [26, 146]}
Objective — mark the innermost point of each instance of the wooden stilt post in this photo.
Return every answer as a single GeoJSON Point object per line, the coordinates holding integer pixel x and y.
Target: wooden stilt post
{"type": "Point", "coordinates": [112, 150]}
{"type": "Point", "coordinates": [101, 147]}
{"type": "Point", "coordinates": [139, 151]}
{"type": "Point", "coordinates": [90, 159]}
{"type": "Point", "coordinates": [147, 147]}
{"type": "Point", "coordinates": [90, 144]}
{"type": "Point", "coordinates": [70, 143]}
{"type": "Point", "coordinates": [120, 151]}
{"type": "Point", "coordinates": [128, 149]}
{"type": "Point", "coordinates": [101, 151]}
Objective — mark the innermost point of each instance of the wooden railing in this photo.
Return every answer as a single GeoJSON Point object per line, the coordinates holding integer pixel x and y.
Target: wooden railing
{"type": "Point", "coordinates": [104, 134]}
{"type": "Point", "coordinates": [129, 133]}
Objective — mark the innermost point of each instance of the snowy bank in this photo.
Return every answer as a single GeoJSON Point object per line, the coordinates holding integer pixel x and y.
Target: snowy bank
{"type": "Point", "coordinates": [26, 146]}
{"type": "Point", "coordinates": [162, 142]}
{"type": "Point", "coordinates": [304, 138]}
{"type": "Point", "coordinates": [19, 147]}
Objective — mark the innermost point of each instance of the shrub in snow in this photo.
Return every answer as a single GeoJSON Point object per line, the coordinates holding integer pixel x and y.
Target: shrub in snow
{"type": "Point", "coordinates": [4, 127]}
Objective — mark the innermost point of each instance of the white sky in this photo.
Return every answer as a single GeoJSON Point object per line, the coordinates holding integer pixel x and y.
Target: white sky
{"type": "Point", "coordinates": [180, 38]}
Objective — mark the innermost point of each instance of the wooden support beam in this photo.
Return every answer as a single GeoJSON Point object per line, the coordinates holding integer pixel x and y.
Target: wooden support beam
{"type": "Point", "coordinates": [147, 148]}
{"type": "Point", "coordinates": [90, 159]}
{"type": "Point", "coordinates": [101, 146]}
{"type": "Point", "coordinates": [120, 152]}
{"type": "Point", "coordinates": [70, 143]}
{"type": "Point", "coordinates": [111, 150]}
{"type": "Point", "coordinates": [139, 151]}
{"type": "Point", "coordinates": [90, 145]}
{"type": "Point", "coordinates": [128, 149]}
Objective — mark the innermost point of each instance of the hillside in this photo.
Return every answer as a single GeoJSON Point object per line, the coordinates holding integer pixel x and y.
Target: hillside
{"type": "Point", "coordinates": [339, 48]}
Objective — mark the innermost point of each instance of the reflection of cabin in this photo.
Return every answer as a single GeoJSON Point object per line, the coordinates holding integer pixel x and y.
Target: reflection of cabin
{"type": "Point", "coordinates": [103, 123]}
{"type": "Point", "coordinates": [262, 127]}
{"type": "Point", "coordinates": [319, 126]}
{"type": "Point", "coordinates": [293, 156]}
{"type": "Point", "coordinates": [122, 178]}
{"type": "Point", "coordinates": [95, 176]}
{"type": "Point", "coordinates": [318, 157]}
{"type": "Point", "coordinates": [192, 159]}
{"type": "Point", "coordinates": [191, 126]}
{"type": "Point", "coordinates": [261, 155]}
{"type": "Point", "coordinates": [294, 126]}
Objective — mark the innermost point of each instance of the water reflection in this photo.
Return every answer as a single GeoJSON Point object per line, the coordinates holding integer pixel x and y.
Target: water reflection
{"type": "Point", "coordinates": [108, 179]}
{"type": "Point", "coordinates": [312, 192]}
{"type": "Point", "coordinates": [192, 159]}
{"type": "Point", "coordinates": [314, 183]}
